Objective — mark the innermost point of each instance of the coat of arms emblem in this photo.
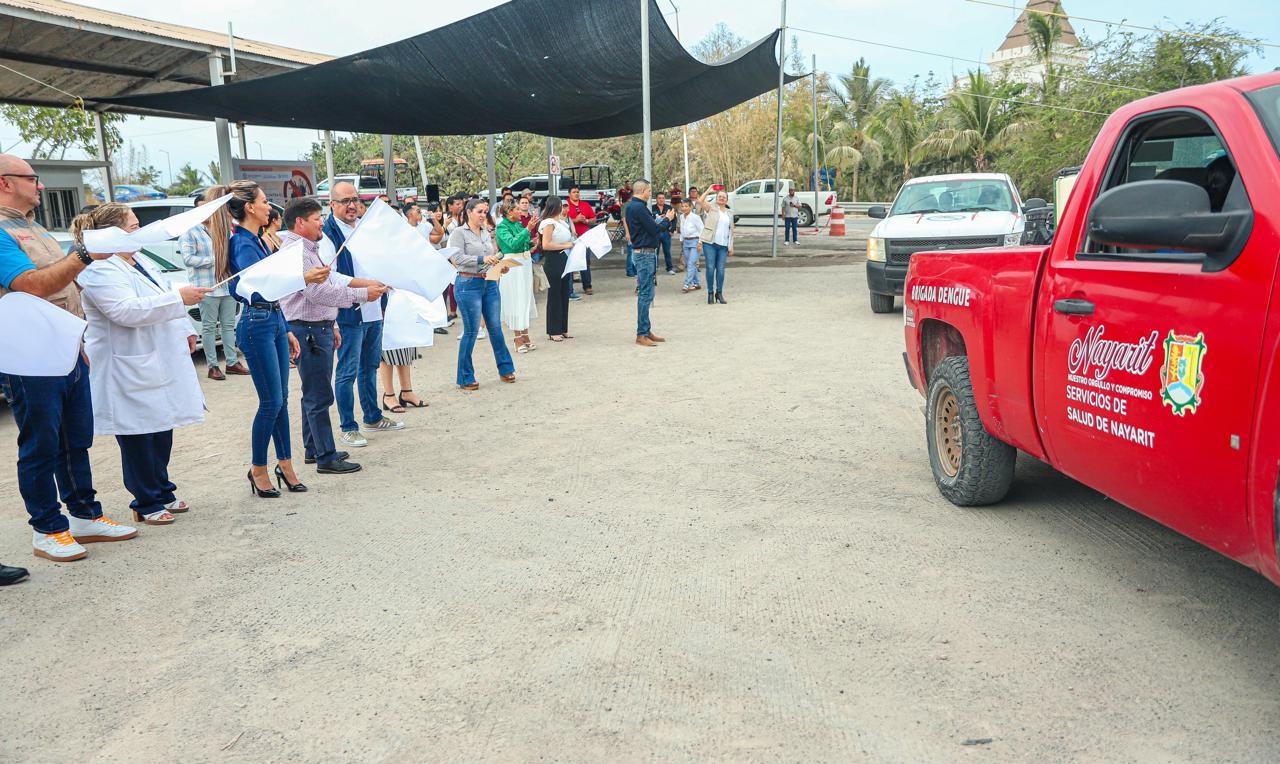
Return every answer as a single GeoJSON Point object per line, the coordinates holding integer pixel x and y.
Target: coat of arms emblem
{"type": "Point", "coordinates": [1182, 376]}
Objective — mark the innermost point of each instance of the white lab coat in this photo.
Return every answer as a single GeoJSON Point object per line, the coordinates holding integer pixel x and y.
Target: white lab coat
{"type": "Point", "coordinates": [140, 370]}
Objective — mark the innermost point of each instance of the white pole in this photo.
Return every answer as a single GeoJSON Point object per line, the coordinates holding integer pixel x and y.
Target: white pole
{"type": "Point", "coordinates": [422, 165]}
{"type": "Point", "coordinates": [221, 127]}
{"type": "Point", "coordinates": [328, 156]}
{"type": "Point", "coordinates": [104, 153]}
{"type": "Point", "coordinates": [244, 146]}
{"type": "Point", "coordinates": [816, 183]}
{"type": "Point", "coordinates": [777, 137]}
{"type": "Point", "coordinates": [389, 167]}
{"type": "Point", "coordinates": [491, 163]}
{"type": "Point", "coordinates": [551, 179]}
{"type": "Point", "coordinates": [644, 88]}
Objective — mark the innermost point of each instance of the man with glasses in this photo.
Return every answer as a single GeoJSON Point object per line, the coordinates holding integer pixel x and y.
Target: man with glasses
{"type": "Point", "coordinates": [54, 414]}
{"type": "Point", "coordinates": [361, 351]}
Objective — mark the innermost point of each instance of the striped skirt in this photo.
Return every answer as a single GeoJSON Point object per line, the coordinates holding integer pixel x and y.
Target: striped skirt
{"type": "Point", "coordinates": [400, 356]}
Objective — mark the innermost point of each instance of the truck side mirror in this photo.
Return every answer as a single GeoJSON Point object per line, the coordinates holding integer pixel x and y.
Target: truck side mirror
{"type": "Point", "coordinates": [1169, 214]}
{"type": "Point", "coordinates": [878, 212]}
{"type": "Point", "coordinates": [1034, 203]}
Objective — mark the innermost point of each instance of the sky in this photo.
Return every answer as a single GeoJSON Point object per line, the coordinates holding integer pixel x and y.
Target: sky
{"type": "Point", "coordinates": [960, 28]}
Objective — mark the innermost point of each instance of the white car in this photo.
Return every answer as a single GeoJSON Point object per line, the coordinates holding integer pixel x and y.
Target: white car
{"type": "Point", "coordinates": [753, 201]}
{"type": "Point", "coordinates": [934, 213]}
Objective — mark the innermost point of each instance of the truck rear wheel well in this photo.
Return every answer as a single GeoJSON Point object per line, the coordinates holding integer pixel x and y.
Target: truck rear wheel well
{"type": "Point", "coordinates": [938, 341]}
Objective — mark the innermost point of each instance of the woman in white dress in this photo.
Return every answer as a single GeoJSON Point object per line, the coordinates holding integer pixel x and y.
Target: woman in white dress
{"type": "Point", "coordinates": [139, 344]}
{"type": "Point", "coordinates": [518, 306]}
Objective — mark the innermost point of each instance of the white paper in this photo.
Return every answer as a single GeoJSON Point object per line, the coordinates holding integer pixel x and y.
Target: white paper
{"type": "Point", "coordinates": [371, 311]}
{"type": "Point", "coordinates": [385, 247]}
{"type": "Point", "coordinates": [411, 320]}
{"type": "Point", "coordinates": [276, 276]}
{"type": "Point", "coordinates": [41, 340]}
{"type": "Point", "coordinates": [115, 240]}
{"type": "Point", "coordinates": [596, 240]}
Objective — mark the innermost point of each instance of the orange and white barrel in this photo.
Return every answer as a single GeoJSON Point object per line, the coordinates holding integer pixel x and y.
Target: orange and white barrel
{"type": "Point", "coordinates": [837, 222]}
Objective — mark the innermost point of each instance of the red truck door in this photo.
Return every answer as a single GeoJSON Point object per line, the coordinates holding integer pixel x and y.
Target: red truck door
{"type": "Point", "coordinates": [1148, 365]}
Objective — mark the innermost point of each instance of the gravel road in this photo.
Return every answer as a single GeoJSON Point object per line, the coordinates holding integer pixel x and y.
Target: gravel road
{"type": "Point", "coordinates": [726, 548]}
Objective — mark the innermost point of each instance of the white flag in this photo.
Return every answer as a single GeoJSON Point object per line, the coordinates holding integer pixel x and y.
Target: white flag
{"type": "Point", "coordinates": [114, 240]}
{"type": "Point", "coordinates": [596, 240]}
{"type": "Point", "coordinates": [411, 319]}
{"type": "Point", "coordinates": [42, 340]}
{"type": "Point", "coordinates": [385, 247]}
{"type": "Point", "coordinates": [276, 276]}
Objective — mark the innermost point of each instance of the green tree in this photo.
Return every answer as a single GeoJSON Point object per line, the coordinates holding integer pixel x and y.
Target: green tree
{"type": "Point", "coordinates": [981, 119]}
{"type": "Point", "coordinates": [52, 131]}
{"type": "Point", "coordinates": [187, 180]}
{"type": "Point", "coordinates": [853, 100]}
{"type": "Point", "coordinates": [1045, 32]}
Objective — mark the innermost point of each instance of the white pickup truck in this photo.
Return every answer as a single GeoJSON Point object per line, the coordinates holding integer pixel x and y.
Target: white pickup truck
{"type": "Point", "coordinates": [753, 202]}
{"type": "Point", "coordinates": [939, 212]}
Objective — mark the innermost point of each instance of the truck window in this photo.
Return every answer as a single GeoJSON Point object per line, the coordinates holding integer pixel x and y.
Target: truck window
{"type": "Point", "coordinates": [1180, 146]}
{"type": "Point", "coordinates": [749, 188]}
{"type": "Point", "coordinates": [1266, 101]}
{"type": "Point", "coordinates": [768, 187]}
{"type": "Point", "coordinates": [969, 195]}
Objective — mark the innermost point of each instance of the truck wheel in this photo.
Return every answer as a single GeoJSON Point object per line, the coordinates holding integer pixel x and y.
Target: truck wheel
{"type": "Point", "coordinates": [881, 303]}
{"type": "Point", "coordinates": [806, 217]}
{"type": "Point", "coordinates": [970, 466]}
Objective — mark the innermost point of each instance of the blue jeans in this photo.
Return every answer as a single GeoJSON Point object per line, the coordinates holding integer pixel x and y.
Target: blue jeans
{"type": "Point", "coordinates": [145, 462]}
{"type": "Point", "coordinates": [646, 274]}
{"type": "Point", "coordinates": [264, 341]}
{"type": "Point", "coordinates": [631, 261]}
{"type": "Point", "coordinates": [315, 369]}
{"type": "Point", "coordinates": [358, 361]}
{"type": "Point", "coordinates": [690, 263]}
{"type": "Point", "coordinates": [791, 232]}
{"type": "Point", "coordinates": [715, 255]}
{"type": "Point", "coordinates": [477, 297]}
{"type": "Point", "coordinates": [664, 241]}
{"type": "Point", "coordinates": [55, 430]}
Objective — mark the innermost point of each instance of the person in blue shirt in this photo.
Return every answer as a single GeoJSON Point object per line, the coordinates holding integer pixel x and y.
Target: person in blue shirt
{"type": "Point", "coordinates": [265, 341]}
{"type": "Point", "coordinates": [644, 230]}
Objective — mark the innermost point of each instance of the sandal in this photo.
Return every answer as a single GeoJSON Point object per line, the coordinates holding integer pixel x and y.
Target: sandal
{"type": "Point", "coordinates": [177, 506]}
{"type": "Point", "coordinates": [421, 404]}
{"type": "Point", "coordinates": [555, 338]}
{"type": "Point", "coordinates": [161, 517]}
{"type": "Point", "coordinates": [396, 409]}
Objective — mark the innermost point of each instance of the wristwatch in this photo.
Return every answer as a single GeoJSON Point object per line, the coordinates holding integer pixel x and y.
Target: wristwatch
{"type": "Point", "coordinates": [81, 253]}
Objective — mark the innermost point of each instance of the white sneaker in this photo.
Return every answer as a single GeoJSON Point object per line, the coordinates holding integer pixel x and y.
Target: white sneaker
{"type": "Point", "coordinates": [382, 425]}
{"type": "Point", "coordinates": [353, 439]}
{"type": "Point", "coordinates": [59, 547]}
{"type": "Point", "coordinates": [482, 335]}
{"type": "Point", "coordinates": [102, 529]}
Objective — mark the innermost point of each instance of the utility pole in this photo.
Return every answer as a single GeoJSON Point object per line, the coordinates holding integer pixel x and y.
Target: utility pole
{"type": "Point", "coordinates": [328, 156]}
{"type": "Point", "coordinates": [777, 148]}
{"type": "Point", "coordinates": [491, 164]}
{"type": "Point", "coordinates": [815, 182]}
{"type": "Point", "coordinates": [644, 87]}
{"type": "Point", "coordinates": [389, 167]}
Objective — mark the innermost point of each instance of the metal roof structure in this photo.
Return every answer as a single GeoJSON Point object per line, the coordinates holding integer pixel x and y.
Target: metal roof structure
{"type": "Point", "coordinates": [52, 52]}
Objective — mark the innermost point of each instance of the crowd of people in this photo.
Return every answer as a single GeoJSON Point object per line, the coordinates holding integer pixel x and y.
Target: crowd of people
{"type": "Point", "coordinates": [135, 378]}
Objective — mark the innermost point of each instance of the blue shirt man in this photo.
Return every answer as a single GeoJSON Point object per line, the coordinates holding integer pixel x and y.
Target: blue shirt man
{"type": "Point", "coordinates": [644, 230]}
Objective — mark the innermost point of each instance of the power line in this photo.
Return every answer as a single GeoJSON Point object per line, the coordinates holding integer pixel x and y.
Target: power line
{"type": "Point", "coordinates": [994, 98]}
{"type": "Point", "coordinates": [1184, 33]}
{"type": "Point", "coordinates": [1065, 77]}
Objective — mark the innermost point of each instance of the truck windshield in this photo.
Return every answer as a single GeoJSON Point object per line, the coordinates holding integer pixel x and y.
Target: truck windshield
{"type": "Point", "coordinates": [975, 195]}
{"type": "Point", "coordinates": [1266, 102]}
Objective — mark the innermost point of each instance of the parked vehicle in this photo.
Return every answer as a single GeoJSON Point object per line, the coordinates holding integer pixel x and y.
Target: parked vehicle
{"type": "Point", "coordinates": [1139, 353]}
{"type": "Point", "coordinates": [939, 212]}
{"type": "Point", "coordinates": [134, 193]}
{"type": "Point", "coordinates": [753, 200]}
{"type": "Point", "coordinates": [368, 185]}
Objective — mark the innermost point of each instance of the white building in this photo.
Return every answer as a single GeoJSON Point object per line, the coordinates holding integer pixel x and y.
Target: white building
{"type": "Point", "coordinates": [1017, 61]}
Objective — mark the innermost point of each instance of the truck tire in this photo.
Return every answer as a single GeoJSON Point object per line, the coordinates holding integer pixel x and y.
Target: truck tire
{"type": "Point", "coordinates": [806, 217]}
{"type": "Point", "coordinates": [970, 465]}
{"type": "Point", "coordinates": [881, 303]}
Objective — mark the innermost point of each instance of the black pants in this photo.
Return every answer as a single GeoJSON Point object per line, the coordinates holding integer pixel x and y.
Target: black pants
{"type": "Point", "coordinates": [586, 275]}
{"type": "Point", "coordinates": [315, 369]}
{"type": "Point", "coordinates": [145, 462]}
{"type": "Point", "coordinates": [553, 264]}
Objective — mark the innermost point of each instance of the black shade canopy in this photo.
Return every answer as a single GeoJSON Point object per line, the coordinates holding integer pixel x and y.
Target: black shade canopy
{"type": "Point", "coordinates": [565, 68]}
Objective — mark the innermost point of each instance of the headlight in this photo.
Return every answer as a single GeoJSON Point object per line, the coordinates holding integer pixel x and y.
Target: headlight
{"type": "Point", "coordinates": [875, 249]}
{"type": "Point", "coordinates": [1013, 239]}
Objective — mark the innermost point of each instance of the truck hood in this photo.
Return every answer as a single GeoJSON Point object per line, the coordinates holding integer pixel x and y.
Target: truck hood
{"type": "Point", "coordinates": [939, 225]}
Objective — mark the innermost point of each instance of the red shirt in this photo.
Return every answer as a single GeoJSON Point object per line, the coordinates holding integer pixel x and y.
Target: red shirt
{"type": "Point", "coordinates": [581, 208]}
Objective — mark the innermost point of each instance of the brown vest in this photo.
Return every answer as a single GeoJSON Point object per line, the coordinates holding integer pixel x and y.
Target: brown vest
{"type": "Point", "coordinates": [43, 250]}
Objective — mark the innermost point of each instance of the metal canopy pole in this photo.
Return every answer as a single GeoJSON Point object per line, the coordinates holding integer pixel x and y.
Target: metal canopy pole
{"type": "Point", "coordinates": [389, 167]}
{"type": "Point", "coordinates": [244, 145]}
{"type": "Point", "coordinates": [551, 182]}
{"type": "Point", "coordinates": [815, 182]}
{"type": "Point", "coordinates": [777, 142]}
{"type": "Point", "coordinates": [422, 166]}
{"type": "Point", "coordinates": [220, 126]}
{"type": "Point", "coordinates": [328, 156]}
{"type": "Point", "coordinates": [104, 153]}
{"type": "Point", "coordinates": [491, 164]}
{"type": "Point", "coordinates": [644, 88]}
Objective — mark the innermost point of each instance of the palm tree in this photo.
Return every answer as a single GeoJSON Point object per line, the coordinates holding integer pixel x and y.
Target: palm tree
{"type": "Point", "coordinates": [899, 128]}
{"type": "Point", "coordinates": [853, 102]}
{"type": "Point", "coordinates": [980, 121]}
{"type": "Point", "coordinates": [1045, 31]}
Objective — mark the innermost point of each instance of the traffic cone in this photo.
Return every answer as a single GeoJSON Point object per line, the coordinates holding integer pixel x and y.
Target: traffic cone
{"type": "Point", "coordinates": [837, 222]}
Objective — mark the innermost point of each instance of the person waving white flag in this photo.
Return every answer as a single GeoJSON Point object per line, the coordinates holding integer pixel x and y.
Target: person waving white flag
{"type": "Point", "coordinates": [386, 248]}
{"type": "Point", "coordinates": [276, 276]}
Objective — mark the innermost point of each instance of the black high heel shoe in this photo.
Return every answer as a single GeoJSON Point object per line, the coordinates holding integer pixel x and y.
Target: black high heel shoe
{"type": "Point", "coordinates": [270, 493]}
{"type": "Point", "coordinates": [282, 480]}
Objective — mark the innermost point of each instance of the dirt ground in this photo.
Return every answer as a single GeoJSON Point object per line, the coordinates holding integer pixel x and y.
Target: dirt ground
{"type": "Point", "coordinates": [726, 548]}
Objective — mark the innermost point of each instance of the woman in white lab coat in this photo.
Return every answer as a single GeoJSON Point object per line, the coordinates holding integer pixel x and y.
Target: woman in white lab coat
{"type": "Point", "coordinates": [139, 344]}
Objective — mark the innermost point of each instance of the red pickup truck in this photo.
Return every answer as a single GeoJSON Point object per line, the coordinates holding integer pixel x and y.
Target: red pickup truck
{"type": "Point", "coordinates": [1139, 352]}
